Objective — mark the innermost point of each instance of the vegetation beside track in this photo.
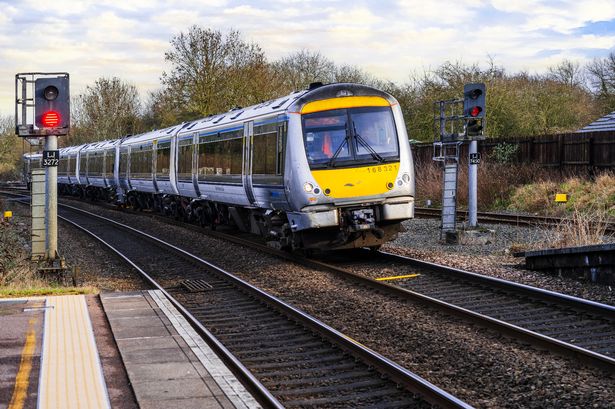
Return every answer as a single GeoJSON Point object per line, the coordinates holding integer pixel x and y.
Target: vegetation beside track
{"type": "Point", "coordinates": [587, 196]}
{"type": "Point", "coordinates": [18, 275]}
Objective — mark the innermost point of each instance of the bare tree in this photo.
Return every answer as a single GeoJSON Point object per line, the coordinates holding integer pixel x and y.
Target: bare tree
{"type": "Point", "coordinates": [10, 148]}
{"type": "Point", "coordinates": [108, 109]}
{"type": "Point", "coordinates": [210, 73]}
{"type": "Point", "coordinates": [601, 72]}
{"type": "Point", "coordinates": [567, 72]}
{"type": "Point", "coordinates": [298, 70]}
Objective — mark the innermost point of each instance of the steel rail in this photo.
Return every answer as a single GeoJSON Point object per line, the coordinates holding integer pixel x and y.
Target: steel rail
{"type": "Point", "coordinates": [411, 381]}
{"type": "Point", "coordinates": [507, 218]}
{"type": "Point", "coordinates": [261, 393]}
{"type": "Point", "coordinates": [540, 340]}
{"type": "Point", "coordinates": [537, 339]}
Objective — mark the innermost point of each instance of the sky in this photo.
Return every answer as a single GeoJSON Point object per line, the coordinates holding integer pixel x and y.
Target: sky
{"type": "Point", "coordinates": [390, 39]}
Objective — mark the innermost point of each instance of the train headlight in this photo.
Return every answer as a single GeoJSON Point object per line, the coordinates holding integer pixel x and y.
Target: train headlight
{"type": "Point", "coordinates": [406, 177]}
{"type": "Point", "coordinates": [308, 187]}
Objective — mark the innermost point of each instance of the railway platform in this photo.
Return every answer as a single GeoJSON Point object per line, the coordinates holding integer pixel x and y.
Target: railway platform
{"type": "Point", "coordinates": [124, 350]}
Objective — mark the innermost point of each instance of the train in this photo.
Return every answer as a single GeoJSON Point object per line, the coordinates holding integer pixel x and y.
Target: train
{"type": "Point", "coordinates": [325, 168]}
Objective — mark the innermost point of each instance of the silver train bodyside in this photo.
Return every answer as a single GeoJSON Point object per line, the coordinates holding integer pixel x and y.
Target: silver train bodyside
{"type": "Point", "coordinates": [250, 167]}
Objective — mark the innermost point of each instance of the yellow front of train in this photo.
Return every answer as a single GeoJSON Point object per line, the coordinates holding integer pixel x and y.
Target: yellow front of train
{"type": "Point", "coordinates": [358, 183]}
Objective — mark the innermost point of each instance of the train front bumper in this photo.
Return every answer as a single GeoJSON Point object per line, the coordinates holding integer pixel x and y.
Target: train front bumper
{"type": "Point", "coordinates": [320, 216]}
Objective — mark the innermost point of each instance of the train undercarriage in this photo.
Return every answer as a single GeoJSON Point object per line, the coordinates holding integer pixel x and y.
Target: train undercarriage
{"type": "Point", "coordinates": [357, 227]}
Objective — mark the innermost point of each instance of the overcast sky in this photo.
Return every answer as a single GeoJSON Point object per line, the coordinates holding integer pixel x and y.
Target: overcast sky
{"type": "Point", "coordinates": [388, 38]}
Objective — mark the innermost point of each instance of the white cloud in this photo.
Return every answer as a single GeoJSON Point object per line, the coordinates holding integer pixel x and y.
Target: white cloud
{"type": "Point", "coordinates": [388, 38]}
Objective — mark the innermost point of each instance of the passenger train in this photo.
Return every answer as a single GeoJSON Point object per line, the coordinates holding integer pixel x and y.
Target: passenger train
{"type": "Point", "coordinates": [329, 167]}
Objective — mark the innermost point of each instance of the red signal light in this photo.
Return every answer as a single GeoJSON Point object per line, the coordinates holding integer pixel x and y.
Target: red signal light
{"type": "Point", "coordinates": [50, 119]}
{"type": "Point", "coordinates": [475, 111]}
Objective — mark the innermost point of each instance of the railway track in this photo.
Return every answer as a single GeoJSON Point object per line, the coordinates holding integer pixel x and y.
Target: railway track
{"type": "Point", "coordinates": [286, 358]}
{"type": "Point", "coordinates": [505, 218]}
{"type": "Point", "coordinates": [569, 326]}
{"type": "Point", "coordinates": [562, 324]}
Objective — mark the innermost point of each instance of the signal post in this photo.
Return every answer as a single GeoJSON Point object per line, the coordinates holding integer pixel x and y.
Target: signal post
{"type": "Point", "coordinates": [453, 128]}
{"type": "Point", "coordinates": [42, 110]}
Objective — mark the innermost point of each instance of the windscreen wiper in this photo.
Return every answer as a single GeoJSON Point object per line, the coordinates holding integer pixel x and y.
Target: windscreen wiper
{"type": "Point", "coordinates": [366, 145]}
{"type": "Point", "coordinates": [338, 150]}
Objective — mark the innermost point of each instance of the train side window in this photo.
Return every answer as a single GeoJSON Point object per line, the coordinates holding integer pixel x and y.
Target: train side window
{"type": "Point", "coordinates": [123, 160]}
{"type": "Point", "coordinates": [163, 159]}
{"type": "Point", "coordinates": [109, 162]}
{"type": "Point", "coordinates": [265, 149]}
{"type": "Point", "coordinates": [184, 165]}
{"type": "Point", "coordinates": [83, 164]}
{"type": "Point", "coordinates": [141, 162]}
{"type": "Point", "coordinates": [220, 154]}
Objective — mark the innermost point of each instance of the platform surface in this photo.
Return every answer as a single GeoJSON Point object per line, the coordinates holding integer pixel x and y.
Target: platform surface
{"type": "Point", "coordinates": [48, 355]}
{"type": "Point", "coordinates": [168, 364]}
{"type": "Point", "coordinates": [21, 338]}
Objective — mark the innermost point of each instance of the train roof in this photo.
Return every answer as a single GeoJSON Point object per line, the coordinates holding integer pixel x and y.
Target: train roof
{"type": "Point", "coordinates": [290, 103]}
{"type": "Point", "coordinates": [94, 146]}
{"type": "Point", "coordinates": [154, 135]}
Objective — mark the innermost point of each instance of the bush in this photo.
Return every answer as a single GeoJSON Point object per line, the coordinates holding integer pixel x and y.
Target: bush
{"type": "Point", "coordinates": [505, 152]}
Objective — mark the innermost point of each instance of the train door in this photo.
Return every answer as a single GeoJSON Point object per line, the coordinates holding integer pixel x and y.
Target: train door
{"type": "Point", "coordinates": [248, 135]}
{"type": "Point", "coordinates": [195, 164]}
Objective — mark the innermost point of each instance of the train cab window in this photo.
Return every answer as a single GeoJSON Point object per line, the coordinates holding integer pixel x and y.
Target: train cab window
{"type": "Point", "coordinates": [349, 136]}
{"type": "Point", "coordinates": [325, 137]}
{"type": "Point", "coordinates": [374, 133]}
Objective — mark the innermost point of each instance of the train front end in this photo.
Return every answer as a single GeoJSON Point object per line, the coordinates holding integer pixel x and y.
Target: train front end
{"type": "Point", "coordinates": [351, 169]}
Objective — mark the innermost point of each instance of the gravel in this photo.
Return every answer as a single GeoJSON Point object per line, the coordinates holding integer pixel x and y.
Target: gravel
{"type": "Point", "coordinates": [95, 266]}
{"type": "Point", "coordinates": [422, 241]}
{"type": "Point", "coordinates": [479, 366]}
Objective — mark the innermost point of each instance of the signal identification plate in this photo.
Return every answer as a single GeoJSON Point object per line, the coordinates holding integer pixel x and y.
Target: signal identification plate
{"type": "Point", "coordinates": [51, 158]}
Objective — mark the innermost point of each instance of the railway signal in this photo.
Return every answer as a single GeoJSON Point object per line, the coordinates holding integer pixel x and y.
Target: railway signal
{"type": "Point", "coordinates": [52, 103]}
{"type": "Point", "coordinates": [474, 108]}
{"type": "Point", "coordinates": [44, 111]}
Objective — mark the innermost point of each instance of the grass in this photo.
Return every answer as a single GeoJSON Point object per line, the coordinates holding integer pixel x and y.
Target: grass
{"type": "Point", "coordinates": [496, 183]}
{"type": "Point", "coordinates": [18, 276]}
{"type": "Point", "coordinates": [595, 198]}
{"type": "Point", "coordinates": [7, 292]}
{"type": "Point", "coordinates": [586, 226]}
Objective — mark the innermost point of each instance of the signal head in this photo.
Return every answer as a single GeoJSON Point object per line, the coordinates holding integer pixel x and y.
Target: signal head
{"type": "Point", "coordinates": [52, 104]}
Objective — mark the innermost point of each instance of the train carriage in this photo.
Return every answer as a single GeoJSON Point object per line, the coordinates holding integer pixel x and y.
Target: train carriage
{"type": "Point", "coordinates": [325, 168]}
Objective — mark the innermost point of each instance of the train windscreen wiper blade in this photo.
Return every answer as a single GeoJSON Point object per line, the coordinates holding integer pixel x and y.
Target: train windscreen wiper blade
{"type": "Point", "coordinates": [337, 152]}
{"type": "Point", "coordinates": [339, 148]}
{"type": "Point", "coordinates": [367, 146]}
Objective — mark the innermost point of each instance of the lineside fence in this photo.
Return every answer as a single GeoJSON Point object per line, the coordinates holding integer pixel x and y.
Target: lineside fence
{"type": "Point", "coordinates": [569, 152]}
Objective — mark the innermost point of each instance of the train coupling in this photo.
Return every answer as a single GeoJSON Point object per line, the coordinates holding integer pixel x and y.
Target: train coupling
{"type": "Point", "coordinates": [361, 220]}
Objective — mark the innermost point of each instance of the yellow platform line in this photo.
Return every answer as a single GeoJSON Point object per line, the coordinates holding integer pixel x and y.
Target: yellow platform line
{"type": "Point", "coordinates": [22, 380]}
{"type": "Point", "coordinates": [397, 277]}
{"type": "Point", "coordinates": [71, 374]}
